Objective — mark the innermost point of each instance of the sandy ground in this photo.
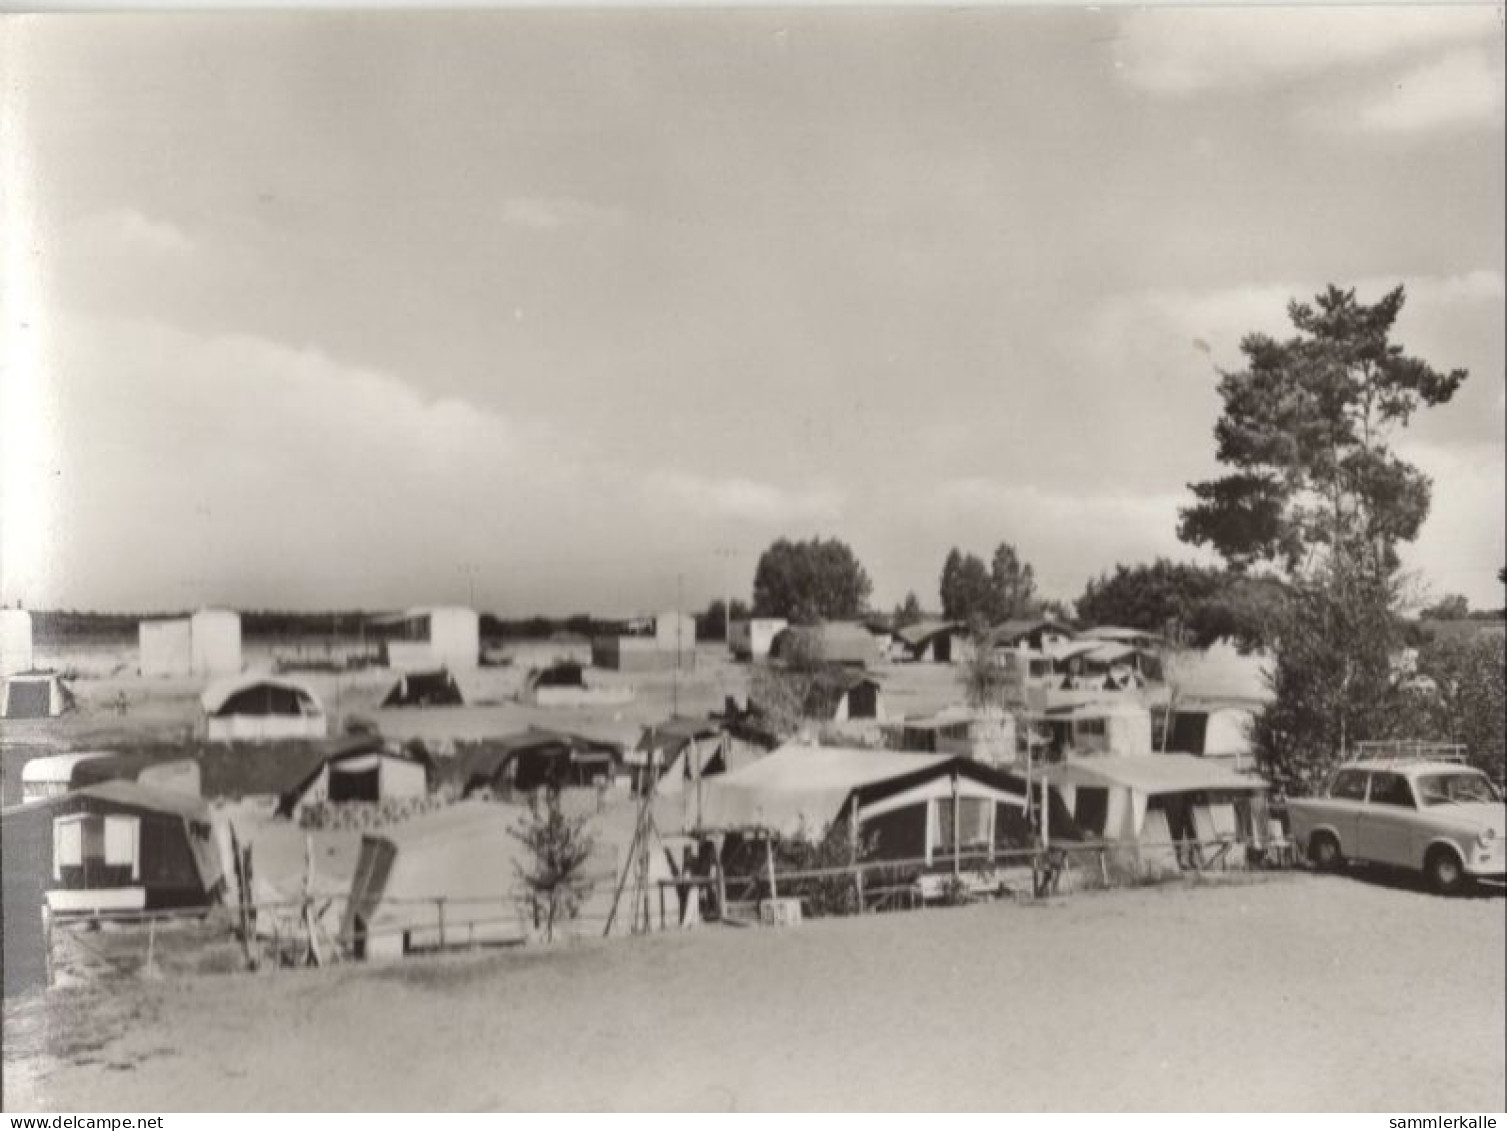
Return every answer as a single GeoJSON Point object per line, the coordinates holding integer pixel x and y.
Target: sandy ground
{"type": "Point", "coordinates": [1267, 993]}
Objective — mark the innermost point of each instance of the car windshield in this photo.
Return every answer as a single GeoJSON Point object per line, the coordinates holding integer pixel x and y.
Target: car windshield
{"type": "Point", "coordinates": [1447, 789]}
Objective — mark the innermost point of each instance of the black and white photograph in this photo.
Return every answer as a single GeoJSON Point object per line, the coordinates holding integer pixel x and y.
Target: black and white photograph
{"type": "Point", "coordinates": [830, 557]}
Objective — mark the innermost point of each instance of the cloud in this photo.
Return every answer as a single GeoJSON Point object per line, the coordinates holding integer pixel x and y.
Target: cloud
{"type": "Point", "coordinates": [178, 467]}
{"type": "Point", "coordinates": [1464, 539]}
{"type": "Point", "coordinates": [1184, 51]}
{"type": "Point", "coordinates": [127, 232]}
{"type": "Point", "coordinates": [547, 214]}
{"type": "Point", "coordinates": [745, 499]}
{"type": "Point", "coordinates": [1463, 88]}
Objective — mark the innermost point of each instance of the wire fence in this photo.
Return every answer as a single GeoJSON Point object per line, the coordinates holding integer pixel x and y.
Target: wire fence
{"type": "Point", "coordinates": [321, 927]}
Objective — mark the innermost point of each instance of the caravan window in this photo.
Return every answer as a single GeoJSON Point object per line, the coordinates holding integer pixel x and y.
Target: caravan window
{"type": "Point", "coordinates": [67, 845]}
{"type": "Point", "coordinates": [122, 840]}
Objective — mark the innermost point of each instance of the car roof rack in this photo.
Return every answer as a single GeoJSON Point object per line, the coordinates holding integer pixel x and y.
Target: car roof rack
{"type": "Point", "coordinates": [1393, 750]}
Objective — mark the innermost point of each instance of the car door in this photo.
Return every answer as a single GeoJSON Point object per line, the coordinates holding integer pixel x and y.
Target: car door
{"type": "Point", "coordinates": [1342, 808]}
{"type": "Point", "coordinates": [1388, 822]}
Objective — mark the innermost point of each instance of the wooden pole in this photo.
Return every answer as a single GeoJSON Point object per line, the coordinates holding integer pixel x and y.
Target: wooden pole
{"type": "Point", "coordinates": [721, 885]}
{"type": "Point", "coordinates": [853, 852]}
{"type": "Point", "coordinates": [774, 892]}
{"type": "Point", "coordinates": [956, 833]}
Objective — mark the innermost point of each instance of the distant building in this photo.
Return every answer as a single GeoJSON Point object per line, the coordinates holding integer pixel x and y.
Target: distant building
{"type": "Point", "coordinates": [671, 644]}
{"type": "Point", "coordinates": [207, 644]}
{"type": "Point", "coordinates": [15, 641]}
{"type": "Point", "coordinates": [429, 637]}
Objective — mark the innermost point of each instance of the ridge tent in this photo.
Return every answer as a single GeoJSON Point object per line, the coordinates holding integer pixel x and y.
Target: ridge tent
{"type": "Point", "coordinates": [364, 770]}
{"type": "Point", "coordinates": [425, 689]}
{"type": "Point", "coordinates": [34, 695]}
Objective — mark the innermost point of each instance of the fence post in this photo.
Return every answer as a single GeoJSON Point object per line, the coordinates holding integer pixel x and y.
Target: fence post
{"type": "Point", "coordinates": [774, 892]}
{"type": "Point", "coordinates": [440, 907]}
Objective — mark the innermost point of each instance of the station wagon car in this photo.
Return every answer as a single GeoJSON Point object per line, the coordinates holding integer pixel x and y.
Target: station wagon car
{"type": "Point", "coordinates": [1443, 819]}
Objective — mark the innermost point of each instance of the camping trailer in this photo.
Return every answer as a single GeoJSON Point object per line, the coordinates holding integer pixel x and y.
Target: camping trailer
{"type": "Point", "coordinates": [1094, 729]}
{"type": "Point", "coordinates": [15, 641]}
{"type": "Point", "coordinates": [51, 775]}
{"type": "Point", "coordinates": [261, 707]}
{"type": "Point", "coordinates": [114, 846]}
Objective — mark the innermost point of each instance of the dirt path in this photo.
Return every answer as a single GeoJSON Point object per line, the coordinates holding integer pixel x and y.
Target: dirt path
{"type": "Point", "coordinates": [1290, 993]}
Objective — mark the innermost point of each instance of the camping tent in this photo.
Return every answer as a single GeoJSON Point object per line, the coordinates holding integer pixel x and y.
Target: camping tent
{"type": "Point", "coordinates": [172, 775]}
{"type": "Point", "coordinates": [840, 695]}
{"type": "Point", "coordinates": [468, 855]}
{"type": "Point", "coordinates": [363, 771]}
{"type": "Point", "coordinates": [1213, 731]}
{"type": "Point", "coordinates": [425, 689]}
{"type": "Point", "coordinates": [1159, 797]}
{"type": "Point", "coordinates": [942, 642]}
{"type": "Point", "coordinates": [15, 641]}
{"type": "Point", "coordinates": [111, 846]}
{"type": "Point", "coordinates": [905, 801]}
{"type": "Point", "coordinates": [260, 707]}
{"type": "Point", "coordinates": [834, 642]}
{"type": "Point", "coordinates": [535, 758]}
{"type": "Point", "coordinates": [670, 747]}
{"type": "Point", "coordinates": [751, 639]}
{"type": "Point", "coordinates": [34, 695]}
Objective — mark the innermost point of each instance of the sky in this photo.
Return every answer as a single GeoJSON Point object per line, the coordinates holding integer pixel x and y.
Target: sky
{"type": "Point", "coordinates": [563, 311]}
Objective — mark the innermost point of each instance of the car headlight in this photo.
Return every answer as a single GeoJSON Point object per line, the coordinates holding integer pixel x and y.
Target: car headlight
{"type": "Point", "coordinates": [1486, 836]}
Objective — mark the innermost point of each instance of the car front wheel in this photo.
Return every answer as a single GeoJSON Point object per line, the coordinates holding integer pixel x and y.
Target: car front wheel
{"type": "Point", "coordinates": [1445, 873]}
{"type": "Point", "coordinates": [1324, 851]}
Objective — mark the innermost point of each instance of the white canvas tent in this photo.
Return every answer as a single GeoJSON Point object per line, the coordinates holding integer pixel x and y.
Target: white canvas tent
{"type": "Point", "coordinates": [1213, 731]}
{"type": "Point", "coordinates": [466, 854]}
{"type": "Point", "coordinates": [15, 641]}
{"type": "Point", "coordinates": [260, 707]}
{"type": "Point", "coordinates": [1124, 792]}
